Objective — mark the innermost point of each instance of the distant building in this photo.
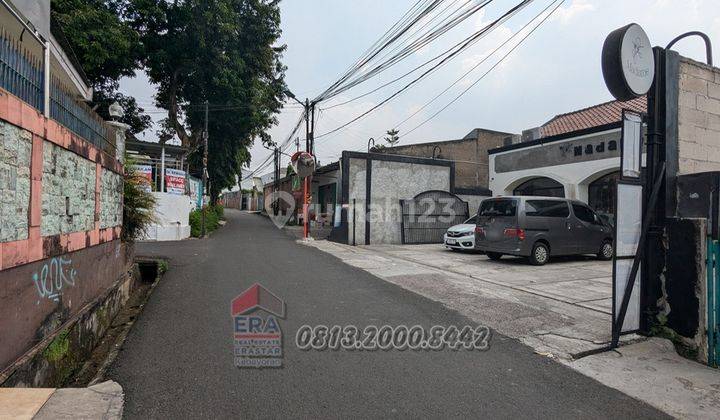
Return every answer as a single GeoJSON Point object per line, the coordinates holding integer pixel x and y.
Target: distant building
{"type": "Point", "coordinates": [469, 154]}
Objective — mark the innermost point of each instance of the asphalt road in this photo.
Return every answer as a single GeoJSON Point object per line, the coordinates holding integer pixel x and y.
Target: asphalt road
{"type": "Point", "coordinates": [177, 361]}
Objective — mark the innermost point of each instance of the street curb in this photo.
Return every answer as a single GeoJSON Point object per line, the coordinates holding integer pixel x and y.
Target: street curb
{"type": "Point", "coordinates": [105, 400]}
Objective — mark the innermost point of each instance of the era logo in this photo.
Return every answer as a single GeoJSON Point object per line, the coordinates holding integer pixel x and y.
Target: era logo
{"type": "Point", "coordinates": [256, 324]}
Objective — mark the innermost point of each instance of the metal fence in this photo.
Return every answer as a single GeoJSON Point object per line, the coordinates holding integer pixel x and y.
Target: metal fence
{"type": "Point", "coordinates": [426, 217]}
{"type": "Point", "coordinates": [78, 117]}
{"type": "Point", "coordinates": [20, 72]}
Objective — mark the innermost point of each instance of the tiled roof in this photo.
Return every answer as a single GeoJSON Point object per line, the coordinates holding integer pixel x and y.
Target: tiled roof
{"type": "Point", "coordinates": [594, 116]}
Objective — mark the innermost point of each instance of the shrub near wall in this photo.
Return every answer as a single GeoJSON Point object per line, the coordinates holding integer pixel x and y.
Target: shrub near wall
{"type": "Point", "coordinates": [213, 215]}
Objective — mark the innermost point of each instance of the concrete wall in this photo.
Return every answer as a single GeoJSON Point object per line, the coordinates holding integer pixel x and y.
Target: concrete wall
{"type": "Point", "coordinates": [40, 297]}
{"type": "Point", "coordinates": [470, 155]}
{"type": "Point", "coordinates": [698, 117]}
{"type": "Point", "coordinates": [357, 172]}
{"type": "Point", "coordinates": [684, 299]}
{"type": "Point", "coordinates": [59, 250]}
{"type": "Point", "coordinates": [172, 213]}
{"type": "Point", "coordinates": [473, 202]}
{"type": "Point", "coordinates": [391, 180]}
{"type": "Point", "coordinates": [395, 181]}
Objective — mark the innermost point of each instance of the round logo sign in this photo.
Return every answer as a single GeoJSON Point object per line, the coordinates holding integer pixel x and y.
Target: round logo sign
{"type": "Point", "coordinates": [628, 62]}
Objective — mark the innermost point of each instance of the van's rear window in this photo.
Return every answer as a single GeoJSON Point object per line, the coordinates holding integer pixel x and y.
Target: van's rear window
{"type": "Point", "coordinates": [498, 208]}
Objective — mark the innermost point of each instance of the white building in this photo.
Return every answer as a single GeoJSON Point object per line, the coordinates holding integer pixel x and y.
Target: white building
{"type": "Point", "coordinates": [574, 155]}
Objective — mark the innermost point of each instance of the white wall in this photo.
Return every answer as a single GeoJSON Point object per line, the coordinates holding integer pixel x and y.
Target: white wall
{"type": "Point", "coordinates": [172, 215]}
{"type": "Point", "coordinates": [575, 177]}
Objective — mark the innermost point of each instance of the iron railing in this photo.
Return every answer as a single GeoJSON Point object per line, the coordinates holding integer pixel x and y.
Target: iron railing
{"type": "Point", "coordinates": [78, 117]}
{"type": "Point", "coordinates": [21, 73]}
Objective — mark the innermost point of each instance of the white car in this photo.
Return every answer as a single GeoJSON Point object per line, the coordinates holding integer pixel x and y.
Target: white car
{"type": "Point", "coordinates": [461, 237]}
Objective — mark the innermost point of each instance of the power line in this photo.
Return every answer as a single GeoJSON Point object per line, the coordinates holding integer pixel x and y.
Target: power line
{"type": "Point", "coordinates": [412, 19]}
{"type": "Point", "coordinates": [560, 2]}
{"type": "Point", "coordinates": [478, 64]}
{"type": "Point", "coordinates": [415, 45]}
{"type": "Point", "coordinates": [477, 35]}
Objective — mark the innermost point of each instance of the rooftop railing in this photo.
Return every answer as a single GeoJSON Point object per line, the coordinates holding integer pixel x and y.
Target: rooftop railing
{"type": "Point", "coordinates": [22, 74]}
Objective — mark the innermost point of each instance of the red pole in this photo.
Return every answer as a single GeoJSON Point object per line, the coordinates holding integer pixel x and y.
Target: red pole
{"type": "Point", "coordinates": [306, 201]}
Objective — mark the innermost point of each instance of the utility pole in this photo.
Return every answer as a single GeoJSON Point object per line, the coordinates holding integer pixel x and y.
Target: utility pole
{"type": "Point", "coordinates": [205, 173]}
{"type": "Point", "coordinates": [309, 127]}
{"type": "Point", "coordinates": [276, 180]}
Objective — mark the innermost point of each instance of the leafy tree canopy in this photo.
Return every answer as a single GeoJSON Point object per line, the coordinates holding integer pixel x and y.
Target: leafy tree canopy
{"type": "Point", "coordinates": [222, 51]}
{"type": "Point", "coordinates": [107, 48]}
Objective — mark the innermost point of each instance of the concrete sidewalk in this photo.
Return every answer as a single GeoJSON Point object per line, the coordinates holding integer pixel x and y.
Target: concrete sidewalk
{"type": "Point", "coordinates": [560, 310]}
{"type": "Point", "coordinates": [101, 401]}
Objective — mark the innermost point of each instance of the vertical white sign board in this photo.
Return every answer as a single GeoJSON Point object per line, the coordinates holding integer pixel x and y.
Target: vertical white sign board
{"type": "Point", "coordinates": [629, 225]}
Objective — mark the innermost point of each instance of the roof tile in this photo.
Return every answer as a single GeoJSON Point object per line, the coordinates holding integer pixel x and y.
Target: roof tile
{"type": "Point", "coordinates": [594, 116]}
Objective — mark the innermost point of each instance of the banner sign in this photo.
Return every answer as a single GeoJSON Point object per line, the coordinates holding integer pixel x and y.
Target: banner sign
{"type": "Point", "coordinates": [196, 191]}
{"type": "Point", "coordinates": [144, 171]}
{"type": "Point", "coordinates": [174, 181]}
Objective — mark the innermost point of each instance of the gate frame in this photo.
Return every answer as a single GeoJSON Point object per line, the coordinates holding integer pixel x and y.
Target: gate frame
{"type": "Point", "coordinates": [402, 214]}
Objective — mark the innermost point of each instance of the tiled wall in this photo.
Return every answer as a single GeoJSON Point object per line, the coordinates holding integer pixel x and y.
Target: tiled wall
{"type": "Point", "coordinates": [68, 192]}
{"type": "Point", "coordinates": [111, 196]}
{"type": "Point", "coordinates": [15, 151]}
{"type": "Point", "coordinates": [51, 188]}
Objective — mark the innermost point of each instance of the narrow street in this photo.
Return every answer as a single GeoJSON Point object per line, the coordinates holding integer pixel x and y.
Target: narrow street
{"type": "Point", "coordinates": [177, 360]}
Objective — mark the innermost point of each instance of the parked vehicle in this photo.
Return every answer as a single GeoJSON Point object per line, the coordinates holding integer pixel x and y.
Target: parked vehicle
{"type": "Point", "coordinates": [461, 237]}
{"type": "Point", "coordinates": [540, 227]}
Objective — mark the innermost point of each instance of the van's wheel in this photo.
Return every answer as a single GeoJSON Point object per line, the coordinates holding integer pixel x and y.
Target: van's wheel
{"type": "Point", "coordinates": [606, 251]}
{"type": "Point", "coordinates": [540, 254]}
{"type": "Point", "coordinates": [495, 256]}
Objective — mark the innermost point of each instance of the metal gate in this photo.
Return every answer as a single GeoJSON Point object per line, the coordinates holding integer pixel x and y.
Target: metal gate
{"type": "Point", "coordinates": [713, 301]}
{"type": "Point", "coordinates": [427, 216]}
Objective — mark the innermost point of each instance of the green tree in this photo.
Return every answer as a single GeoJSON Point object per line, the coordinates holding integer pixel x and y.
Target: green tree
{"type": "Point", "coordinates": [222, 51]}
{"type": "Point", "coordinates": [107, 47]}
{"type": "Point", "coordinates": [392, 137]}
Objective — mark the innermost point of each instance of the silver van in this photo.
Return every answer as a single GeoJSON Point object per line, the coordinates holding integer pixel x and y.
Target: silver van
{"type": "Point", "coordinates": [540, 227]}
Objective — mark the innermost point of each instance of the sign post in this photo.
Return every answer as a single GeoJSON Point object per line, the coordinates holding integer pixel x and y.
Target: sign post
{"type": "Point", "coordinates": [629, 68]}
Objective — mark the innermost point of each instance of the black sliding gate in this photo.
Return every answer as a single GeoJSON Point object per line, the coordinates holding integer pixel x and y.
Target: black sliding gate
{"type": "Point", "coordinates": [427, 216]}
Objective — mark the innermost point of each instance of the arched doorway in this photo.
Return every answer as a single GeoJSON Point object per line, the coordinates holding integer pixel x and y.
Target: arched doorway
{"type": "Point", "coordinates": [602, 195]}
{"type": "Point", "coordinates": [542, 186]}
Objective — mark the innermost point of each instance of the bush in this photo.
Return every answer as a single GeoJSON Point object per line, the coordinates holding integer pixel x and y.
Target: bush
{"type": "Point", "coordinates": [213, 214]}
{"type": "Point", "coordinates": [138, 205]}
{"type": "Point", "coordinates": [219, 210]}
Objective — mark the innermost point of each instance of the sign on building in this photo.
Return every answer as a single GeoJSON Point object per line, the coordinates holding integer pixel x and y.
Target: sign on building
{"type": "Point", "coordinates": [174, 181]}
{"type": "Point", "coordinates": [144, 173]}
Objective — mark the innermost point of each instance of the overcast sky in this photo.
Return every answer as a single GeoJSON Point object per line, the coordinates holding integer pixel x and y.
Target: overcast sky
{"type": "Point", "coordinates": [556, 70]}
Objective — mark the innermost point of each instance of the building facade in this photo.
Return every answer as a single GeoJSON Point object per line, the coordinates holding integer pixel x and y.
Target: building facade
{"type": "Point", "coordinates": [574, 155]}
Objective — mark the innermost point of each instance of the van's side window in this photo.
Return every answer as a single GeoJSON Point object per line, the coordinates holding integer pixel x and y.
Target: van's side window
{"type": "Point", "coordinates": [583, 213]}
{"type": "Point", "coordinates": [498, 208]}
{"type": "Point", "coordinates": [546, 208]}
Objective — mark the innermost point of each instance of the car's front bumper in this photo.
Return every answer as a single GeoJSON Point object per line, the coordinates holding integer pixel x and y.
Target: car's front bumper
{"type": "Point", "coordinates": [466, 242]}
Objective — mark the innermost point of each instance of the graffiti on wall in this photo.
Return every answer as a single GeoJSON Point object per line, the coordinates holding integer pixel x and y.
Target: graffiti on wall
{"type": "Point", "coordinates": [53, 276]}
